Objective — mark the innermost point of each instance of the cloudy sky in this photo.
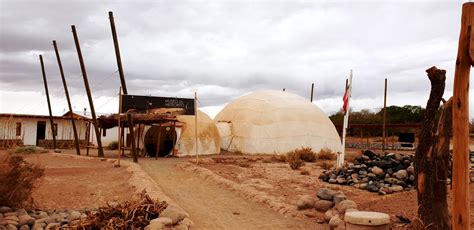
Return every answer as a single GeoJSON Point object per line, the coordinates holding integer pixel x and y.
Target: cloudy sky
{"type": "Point", "coordinates": [223, 49]}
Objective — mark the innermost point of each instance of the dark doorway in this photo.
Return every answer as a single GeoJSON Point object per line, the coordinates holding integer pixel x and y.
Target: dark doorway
{"type": "Point", "coordinates": [40, 131]}
{"type": "Point", "coordinates": [164, 135]}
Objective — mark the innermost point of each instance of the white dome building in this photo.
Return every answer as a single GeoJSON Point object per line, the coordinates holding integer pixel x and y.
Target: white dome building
{"type": "Point", "coordinates": [275, 122]}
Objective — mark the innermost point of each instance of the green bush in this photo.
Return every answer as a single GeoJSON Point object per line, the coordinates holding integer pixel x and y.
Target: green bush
{"type": "Point", "coordinates": [113, 145]}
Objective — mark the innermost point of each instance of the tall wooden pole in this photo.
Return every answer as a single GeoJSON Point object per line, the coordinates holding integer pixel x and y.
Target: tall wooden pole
{"type": "Point", "coordinates": [76, 138]}
{"type": "Point", "coordinates": [196, 126]}
{"type": "Point", "coordinates": [119, 127]}
{"type": "Point", "coordinates": [49, 102]}
{"type": "Point", "coordinates": [88, 90]}
{"type": "Point", "coordinates": [384, 141]}
{"type": "Point", "coordinates": [117, 52]}
{"type": "Point", "coordinates": [465, 58]}
{"type": "Point", "coordinates": [312, 91]}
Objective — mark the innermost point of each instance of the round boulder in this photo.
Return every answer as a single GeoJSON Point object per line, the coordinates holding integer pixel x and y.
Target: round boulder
{"type": "Point", "coordinates": [323, 205]}
{"type": "Point", "coordinates": [326, 194]}
{"type": "Point", "coordinates": [346, 204]}
{"type": "Point", "coordinates": [305, 202]}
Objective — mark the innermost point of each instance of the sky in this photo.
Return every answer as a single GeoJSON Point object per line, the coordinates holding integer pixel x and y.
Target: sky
{"type": "Point", "coordinates": [224, 49]}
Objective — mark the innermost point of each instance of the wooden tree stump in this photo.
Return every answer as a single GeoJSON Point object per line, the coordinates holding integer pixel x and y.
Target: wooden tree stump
{"type": "Point", "coordinates": [432, 157]}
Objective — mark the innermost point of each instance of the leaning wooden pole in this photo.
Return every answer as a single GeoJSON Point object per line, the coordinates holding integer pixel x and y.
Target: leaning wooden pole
{"type": "Point", "coordinates": [49, 102]}
{"type": "Point", "coordinates": [196, 127]}
{"type": "Point", "coordinates": [465, 58]}
{"type": "Point", "coordinates": [117, 53]}
{"type": "Point", "coordinates": [74, 129]}
{"type": "Point", "coordinates": [312, 92]}
{"type": "Point", "coordinates": [88, 90]}
{"type": "Point", "coordinates": [384, 141]}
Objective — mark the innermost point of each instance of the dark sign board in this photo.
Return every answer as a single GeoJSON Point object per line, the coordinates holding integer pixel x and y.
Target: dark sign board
{"type": "Point", "coordinates": [143, 104]}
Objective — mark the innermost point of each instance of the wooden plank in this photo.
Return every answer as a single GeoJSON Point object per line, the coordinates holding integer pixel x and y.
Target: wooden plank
{"type": "Point", "coordinates": [461, 213]}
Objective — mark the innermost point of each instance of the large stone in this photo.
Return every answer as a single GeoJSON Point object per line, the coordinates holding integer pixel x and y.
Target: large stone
{"type": "Point", "coordinates": [396, 188]}
{"type": "Point", "coordinates": [344, 205]}
{"type": "Point", "coordinates": [341, 180]}
{"type": "Point", "coordinates": [329, 214]}
{"type": "Point", "coordinates": [338, 198]}
{"type": "Point", "coordinates": [401, 174]}
{"type": "Point", "coordinates": [369, 153]}
{"type": "Point", "coordinates": [326, 194]}
{"type": "Point", "coordinates": [372, 188]}
{"type": "Point", "coordinates": [163, 220]}
{"type": "Point", "coordinates": [155, 226]}
{"type": "Point", "coordinates": [74, 215]}
{"type": "Point", "coordinates": [7, 214]}
{"type": "Point", "coordinates": [411, 170]}
{"type": "Point", "coordinates": [26, 219]}
{"type": "Point", "coordinates": [377, 171]}
{"type": "Point", "coordinates": [323, 205]}
{"type": "Point", "coordinates": [52, 226]}
{"type": "Point", "coordinates": [12, 218]}
{"type": "Point", "coordinates": [334, 222]}
{"type": "Point", "coordinates": [5, 209]}
{"type": "Point", "coordinates": [305, 202]}
{"type": "Point", "coordinates": [173, 213]}
{"type": "Point", "coordinates": [21, 212]}
{"type": "Point", "coordinates": [11, 227]}
{"type": "Point", "coordinates": [7, 222]}
{"type": "Point", "coordinates": [24, 227]}
{"type": "Point", "coordinates": [41, 215]}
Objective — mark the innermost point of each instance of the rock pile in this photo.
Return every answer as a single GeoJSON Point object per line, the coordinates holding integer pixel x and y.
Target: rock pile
{"type": "Point", "coordinates": [24, 220]}
{"type": "Point", "coordinates": [385, 174]}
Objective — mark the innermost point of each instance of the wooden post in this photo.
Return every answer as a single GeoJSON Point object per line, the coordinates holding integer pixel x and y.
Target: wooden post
{"type": "Point", "coordinates": [138, 139]}
{"type": "Point", "coordinates": [465, 58]}
{"type": "Point", "coordinates": [117, 53]}
{"type": "Point", "coordinates": [384, 141]}
{"type": "Point", "coordinates": [88, 90]}
{"type": "Point", "coordinates": [88, 135]}
{"type": "Point", "coordinates": [132, 135]}
{"type": "Point", "coordinates": [431, 159]}
{"type": "Point", "coordinates": [76, 138]}
{"type": "Point", "coordinates": [174, 137]}
{"type": "Point", "coordinates": [312, 91]}
{"type": "Point", "coordinates": [49, 102]}
{"type": "Point", "coordinates": [119, 127]}
{"type": "Point", "coordinates": [196, 125]}
{"type": "Point", "coordinates": [158, 142]}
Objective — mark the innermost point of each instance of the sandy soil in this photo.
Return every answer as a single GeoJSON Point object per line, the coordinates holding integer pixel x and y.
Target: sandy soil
{"type": "Point", "coordinates": [78, 183]}
{"type": "Point", "coordinates": [281, 182]}
{"type": "Point", "coordinates": [213, 207]}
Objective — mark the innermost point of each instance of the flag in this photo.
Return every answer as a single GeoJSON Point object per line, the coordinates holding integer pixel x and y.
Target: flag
{"type": "Point", "coordinates": [345, 99]}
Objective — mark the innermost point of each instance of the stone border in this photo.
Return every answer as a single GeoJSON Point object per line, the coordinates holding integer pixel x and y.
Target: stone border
{"type": "Point", "coordinates": [243, 190]}
{"type": "Point", "coordinates": [140, 180]}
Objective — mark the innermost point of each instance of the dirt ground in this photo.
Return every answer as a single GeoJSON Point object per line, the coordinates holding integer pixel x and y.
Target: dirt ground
{"type": "Point", "coordinates": [78, 183]}
{"type": "Point", "coordinates": [280, 181]}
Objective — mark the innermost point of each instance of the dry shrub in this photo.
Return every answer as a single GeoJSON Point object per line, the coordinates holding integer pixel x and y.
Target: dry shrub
{"type": "Point", "coordinates": [325, 164]}
{"type": "Point", "coordinates": [306, 154]}
{"type": "Point", "coordinates": [113, 145]}
{"type": "Point", "coordinates": [278, 158]}
{"type": "Point", "coordinates": [326, 154]}
{"type": "Point", "coordinates": [417, 224]}
{"type": "Point", "coordinates": [294, 159]}
{"type": "Point", "coordinates": [17, 180]}
{"type": "Point", "coordinates": [29, 149]}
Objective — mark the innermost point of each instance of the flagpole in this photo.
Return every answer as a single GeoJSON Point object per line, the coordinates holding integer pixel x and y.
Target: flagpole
{"type": "Point", "coordinates": [340, 159]}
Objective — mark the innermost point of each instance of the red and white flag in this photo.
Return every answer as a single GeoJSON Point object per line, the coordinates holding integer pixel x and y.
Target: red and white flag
{"type": "Point", "coordinates": [345, 99]}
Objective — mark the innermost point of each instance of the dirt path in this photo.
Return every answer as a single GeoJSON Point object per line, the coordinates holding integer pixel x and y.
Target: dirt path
{"type": "Point", "coordinates": [213, 207]}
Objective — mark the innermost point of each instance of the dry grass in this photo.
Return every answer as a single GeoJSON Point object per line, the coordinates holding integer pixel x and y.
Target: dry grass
{"type": "Point", "coordinates": [29, 149]}
{"type": "Point", "coordinates": [17, 180]}
{"type": "Point", "coordinates": [326, 154]}
{"type": "Point", "coordinates": [325, 164]}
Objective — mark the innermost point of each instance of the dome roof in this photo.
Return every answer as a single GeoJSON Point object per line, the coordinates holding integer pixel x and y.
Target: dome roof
{"type": "Point", "coordinates": [272, 121]}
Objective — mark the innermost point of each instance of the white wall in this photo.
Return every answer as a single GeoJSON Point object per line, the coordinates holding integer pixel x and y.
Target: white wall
{"type": "Point", "coordinates": [29, 126]}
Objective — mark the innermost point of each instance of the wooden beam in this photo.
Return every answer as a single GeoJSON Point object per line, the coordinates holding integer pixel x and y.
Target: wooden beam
{"type": "Point", "coordinates": [460, 213]}
{"type": "Point", "coordinates": [49, 102]}
{"type": "Point", "coordinates": [132, 135]}
{"type": "Point", "coordinates": [158, 142]}
{"type": "Point", "coordinates": [88, 91]}
{"type": "Point", "coordinates": [117, 53]}
{"type": "Point", "coordinates": [312, 92]}
{"type": "Point", "coordinates": [76, 138]}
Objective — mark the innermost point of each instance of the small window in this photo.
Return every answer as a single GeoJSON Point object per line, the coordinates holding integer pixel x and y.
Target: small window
{"type": "Point", "coordinates": [18, 128]}
{"type": "Point", "coordinates": [55, 129]}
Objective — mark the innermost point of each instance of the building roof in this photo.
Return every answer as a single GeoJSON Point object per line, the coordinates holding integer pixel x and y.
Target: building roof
{"type": "Point", "coordinates": [65, 116]}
